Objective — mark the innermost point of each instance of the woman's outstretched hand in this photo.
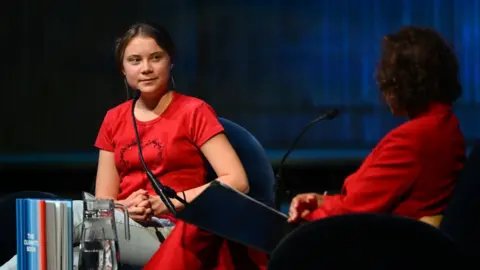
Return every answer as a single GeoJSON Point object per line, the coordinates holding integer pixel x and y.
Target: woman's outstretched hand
{"type": "Point", "coordinates": [303, 204]}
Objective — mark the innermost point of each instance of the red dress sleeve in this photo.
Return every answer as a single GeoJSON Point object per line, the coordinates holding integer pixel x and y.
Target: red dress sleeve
{"type": "Point", "coordinates": [378, 186]}
{"type": "Point", "coordinates": [204, 124]}
{"type": "Point", "coordinates": [104, 139]}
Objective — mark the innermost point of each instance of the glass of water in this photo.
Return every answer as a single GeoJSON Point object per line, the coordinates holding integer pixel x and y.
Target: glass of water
{"type": "Point", "coordinates": [96, 251]}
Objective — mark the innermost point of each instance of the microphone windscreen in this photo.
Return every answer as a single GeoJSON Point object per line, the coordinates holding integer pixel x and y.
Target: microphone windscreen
{"type": "Point", "coordinates": [332, 113]}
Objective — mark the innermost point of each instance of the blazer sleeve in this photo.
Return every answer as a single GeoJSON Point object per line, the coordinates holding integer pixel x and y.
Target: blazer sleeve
{"type": "Point", "coordinates": [380, 185]}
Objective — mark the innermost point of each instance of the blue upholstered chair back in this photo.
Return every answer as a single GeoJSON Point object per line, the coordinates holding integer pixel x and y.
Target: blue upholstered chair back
{"type": "Point", "coordinates": [255, 161]}
{"type": "Point", "coordinates": [461, 219]}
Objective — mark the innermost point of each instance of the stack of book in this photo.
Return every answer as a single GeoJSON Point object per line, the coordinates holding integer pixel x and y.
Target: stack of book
{"type": "Point", "coordinates": [44, 234]}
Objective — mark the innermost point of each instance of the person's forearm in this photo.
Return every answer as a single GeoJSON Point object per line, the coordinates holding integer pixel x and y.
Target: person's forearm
{"type": "Point", "coordinates": [190, 195]}
{"type": "Point", "coordinates": [236, 182]}
{"type": "Point", "coordinates": [122, 202]}
{"type": "Point", "coordinates": [113, 198]}
{"type": "Point", "coordinates": [193, 193]}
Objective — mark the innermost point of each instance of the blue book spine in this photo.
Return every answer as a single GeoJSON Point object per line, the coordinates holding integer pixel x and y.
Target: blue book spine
{"type": "Point", "coordinates": [20, 224]}
{"type": "Point", "coordinates": [31, 250]}
{"type": "Point", "coordinates": [31, 241]}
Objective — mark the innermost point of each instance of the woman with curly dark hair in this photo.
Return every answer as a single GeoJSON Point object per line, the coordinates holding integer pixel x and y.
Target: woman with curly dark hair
{"type": "Point", "coordinates": [417, 68]}
{"type": "Point", "coordinates": [413, 169]}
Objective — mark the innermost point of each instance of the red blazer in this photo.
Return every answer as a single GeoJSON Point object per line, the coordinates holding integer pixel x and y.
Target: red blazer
{"type": "Point", "coordinates": [411, 172]}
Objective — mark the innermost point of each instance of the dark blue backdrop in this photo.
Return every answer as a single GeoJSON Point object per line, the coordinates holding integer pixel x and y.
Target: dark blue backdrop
{"type": "Point", "coordinates": [270, 65]}
{"type": "Point", "coordinates": [277, 65]}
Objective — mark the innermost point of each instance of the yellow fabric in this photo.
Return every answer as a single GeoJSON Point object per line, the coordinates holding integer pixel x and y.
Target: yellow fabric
{"type": "Point", "coordinates": [432, 220]}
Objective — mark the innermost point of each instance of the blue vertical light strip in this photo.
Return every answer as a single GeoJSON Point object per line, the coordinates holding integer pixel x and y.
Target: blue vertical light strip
{"type": "Point", "coordinates": [325, 54]}
{"type": "Point", "coordinates": [463, 43]}
{"type": "Point", "coordinates": [376, 40]}
{"type": "Point", "coordinates": [317, 89]}
{"type": "Point", "coordinates": [436, 14]}
{"type": "Point", "coordinates": [467, 54]}
{"type": "Point", "coordinates": [346, 97]}
{"type": "Point", "coordinates": [457, 32]}
{"type": "Point", "coordinates": [407, 12]}
{"type": "Point", "coordinates": [365, 58]}
{"type": "Point", "coordinates": [475, 47]}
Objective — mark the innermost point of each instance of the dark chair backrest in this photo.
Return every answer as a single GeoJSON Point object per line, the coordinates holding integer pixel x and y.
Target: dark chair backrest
{"type": "Point", "coordinates": [461, 219]}
{"type": "Point", "coordinates": [8, 225]}
{"type": "Point", "coordinates": [365, 241]}
{"type": "Point", "coordinates": [255, 161]}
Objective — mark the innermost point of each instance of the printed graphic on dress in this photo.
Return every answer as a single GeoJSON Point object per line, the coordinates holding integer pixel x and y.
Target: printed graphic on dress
{"type": "Point", "coordinates": [152, 151]}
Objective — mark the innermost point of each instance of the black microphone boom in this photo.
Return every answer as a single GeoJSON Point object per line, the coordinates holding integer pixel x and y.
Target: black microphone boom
{"type": "Point", "coordinates": [164, 192]}
{"type": "Point", "coordinates": [279, 183]}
